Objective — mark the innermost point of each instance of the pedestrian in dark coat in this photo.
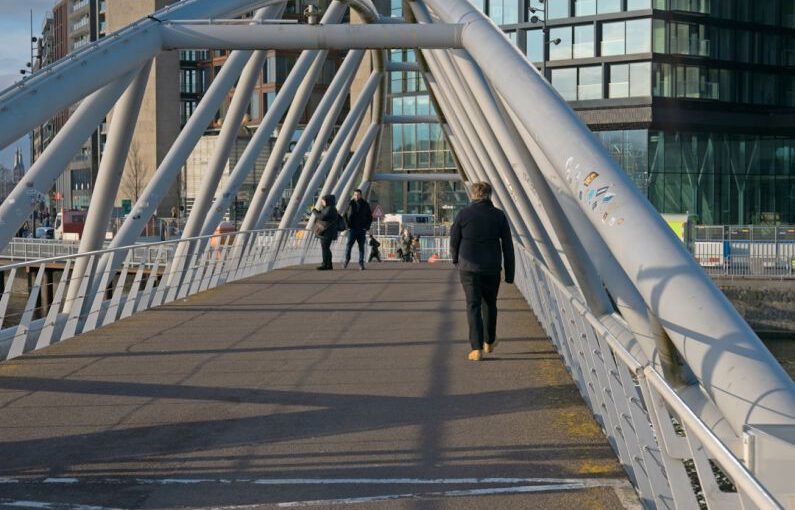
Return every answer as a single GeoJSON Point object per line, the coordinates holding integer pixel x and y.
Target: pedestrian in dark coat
{"type": "Point", "coordinates": [326, 228]}
{"type": "Point", "coordinates": [358, 219]}
{"type": "Point", "coordinates": [480, 242]}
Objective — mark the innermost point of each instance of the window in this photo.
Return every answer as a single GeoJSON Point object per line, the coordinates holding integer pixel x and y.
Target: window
{"type": "Point", "coordinates": [606, 6]}
{"type": "Point", "coordinates": [584, 41]}
{"type": "Point", "coordinates": [585, 7]}
{"type": "Point", "coordinates": [639, 36]}
{"type": "Point", "coordinates": [662, 80]}
{"type": "Point", "coordinates": [613, 38]}
{"type": "Point", "coordinates": [560, 51]}
{"type": "Point", "coordinates": [626, 37]}
{"type": "Point", "coordinates": [637, 5]}
{"type": "Point", "coordinates": [535, 45]}
{"type": "Point", "coordinates": [580, 84]}
{"type": "Point", "coordinates": [565, 82]}
{"type": "Point", "coordinates": [658, 36]}
{"type": "Point", "coordinates": [630, 80]}
{"type": "Point", "coordinates": [504, 12]}
{"type": "Point", "coordinates": [589, 85]}
{"type": "Point", "coordinates": [619, 81]}
{"type": "Point", "coordinates": [640, 79]}
{"type": "Point", "coordinates": [558, 9]}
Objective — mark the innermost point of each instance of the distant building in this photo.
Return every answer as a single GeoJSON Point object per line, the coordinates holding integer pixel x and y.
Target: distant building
{"type": "Point", "coordinates": [18, 171]}
{"type": "Point", "coordinates": [695, 99]}
{"type": "Point", "coordinates": [74, 24]}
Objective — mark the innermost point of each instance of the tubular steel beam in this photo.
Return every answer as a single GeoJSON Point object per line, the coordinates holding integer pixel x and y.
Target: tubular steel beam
{"type": "Point", "coordinates": [111, 170]}
{"type": "Point", "coordinates": [40, 177]}
{"type": "Point", "coordinates": [309, 37]}
{"type": "Point", "coordinates": [78, 75]}
{"type": "Point", "coordinates": [417, 177]}
{"type": "Point", "coordinates": [298, 102]}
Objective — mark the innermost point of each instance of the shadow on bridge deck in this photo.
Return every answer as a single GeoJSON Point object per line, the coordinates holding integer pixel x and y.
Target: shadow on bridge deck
{"type": "Point", "coordinates": [301, 386]}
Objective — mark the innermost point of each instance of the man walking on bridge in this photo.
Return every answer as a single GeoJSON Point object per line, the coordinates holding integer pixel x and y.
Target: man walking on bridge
{"type": "Point", "coordinates": [480, 240]}
{"type": "Point", "coordinates": [358, 217]}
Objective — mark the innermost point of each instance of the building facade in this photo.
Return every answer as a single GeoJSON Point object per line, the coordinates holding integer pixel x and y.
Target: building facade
{"type": "Point", "coordinates": [414, 147]}
{"type": "Point", "coordinates": [695, 98]}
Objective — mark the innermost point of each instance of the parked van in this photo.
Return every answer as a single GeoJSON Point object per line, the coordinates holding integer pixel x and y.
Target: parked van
{"type": "Point", "coordinates": [418, 224]}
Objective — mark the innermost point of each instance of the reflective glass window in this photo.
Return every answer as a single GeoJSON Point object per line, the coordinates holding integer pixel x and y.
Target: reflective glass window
{"type": "Point", "coordinates": [585, 7]}
{"type": "Point", "coordinates": [613, 38]}
{"type": "Point", "coordinates": [583, 41]}
{"type": "Point", "coordinates": [535, 45]}
{"type": "Point", "coordinates": [662, 80]}
{"type": "Point", "coordinates": [556, 9]}
{"type": "Point", "coordinates": [638, 38]}
{"type": "Point", "coordinates": [589, 85]}
{"type": "Point", "coordinates": [562, 50]}
{"type": "Point", "coordinates": [606, 6]}
{"type": "Point", "coordinates": [619, 81]}
{"type": "Point", "coordinates": [637, 5]}
{"type": "Point", "coordinates": [504, 12]}
{"type": "Point", "coordinates": [640, 79]}
{"type": "Point", "coordinates": [565, 82]}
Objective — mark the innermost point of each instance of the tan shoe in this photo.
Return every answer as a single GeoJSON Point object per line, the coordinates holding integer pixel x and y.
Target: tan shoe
{"type": "Point", "coordinates": [475, 356]}
{"type": "Point", "coordinates": [489, 348]}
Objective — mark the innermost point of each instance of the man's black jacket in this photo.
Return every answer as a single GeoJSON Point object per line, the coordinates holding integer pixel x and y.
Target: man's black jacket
{"type": "Point", "coordinates": [481, 239]}
{"type": "Point", "coordinates": [359, 216]}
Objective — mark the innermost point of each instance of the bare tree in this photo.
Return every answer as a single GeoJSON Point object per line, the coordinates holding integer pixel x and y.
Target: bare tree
{"type": "Point", "coordinates": [134, 174]}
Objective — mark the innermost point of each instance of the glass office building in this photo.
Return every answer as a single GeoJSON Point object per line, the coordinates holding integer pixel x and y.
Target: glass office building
{"type": "Point", "coordinates": [695, 98]}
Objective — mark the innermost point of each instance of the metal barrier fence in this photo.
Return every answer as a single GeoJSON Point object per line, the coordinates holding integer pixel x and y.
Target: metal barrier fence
{"type": "Point", "coordinates": [146, 276]}
{"type": "Point", "coordinates": [671, 456]}
{"type": "Point", "coordinates": [394, 249]}
{"type": "Point", "coordinates": [745, 251]}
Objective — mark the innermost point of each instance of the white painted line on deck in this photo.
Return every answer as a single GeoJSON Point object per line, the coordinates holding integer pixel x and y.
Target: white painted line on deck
{"type": "Point", "coordinates": [46, 505]}
{"type": "Point", "coordinates": [444, 494]}
{"type": "Point", "coordinates": [601, 482]}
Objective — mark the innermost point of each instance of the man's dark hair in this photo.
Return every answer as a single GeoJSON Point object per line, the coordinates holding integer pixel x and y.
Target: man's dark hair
{"type": "Point", "coordinates": [357, 190]}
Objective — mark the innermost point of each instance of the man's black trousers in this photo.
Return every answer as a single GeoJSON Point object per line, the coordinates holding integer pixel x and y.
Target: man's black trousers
{"type": "Point", "coordinates": [481, 294]}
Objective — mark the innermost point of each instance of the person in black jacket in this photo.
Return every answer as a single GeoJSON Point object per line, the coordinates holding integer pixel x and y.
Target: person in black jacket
{"type": "Point", "coordinates": [358, 218]}
{"type": "Point", "coordinates": [480, 240]}
{"type": "Point", "coordinates": [375, 253]}
{"type": "Point", "coordinates": [326, 228]}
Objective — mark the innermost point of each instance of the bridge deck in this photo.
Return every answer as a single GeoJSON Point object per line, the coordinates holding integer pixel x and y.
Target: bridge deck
{"type": "Point", "coordinates": [301, 386]}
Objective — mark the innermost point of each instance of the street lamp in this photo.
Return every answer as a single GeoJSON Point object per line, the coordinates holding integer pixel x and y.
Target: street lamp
{"type": "Point", "coordinates": [534, 18]}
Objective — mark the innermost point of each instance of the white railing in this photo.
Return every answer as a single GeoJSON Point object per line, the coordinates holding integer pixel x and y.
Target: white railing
{"type": "Point", "coordinates": [123, 281]}
{"type": "Point", "coordinates": [671, 456]}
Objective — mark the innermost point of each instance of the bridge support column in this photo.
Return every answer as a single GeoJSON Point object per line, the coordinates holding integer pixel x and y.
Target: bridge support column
{"type": "Point", "coordinates": [111, 170]}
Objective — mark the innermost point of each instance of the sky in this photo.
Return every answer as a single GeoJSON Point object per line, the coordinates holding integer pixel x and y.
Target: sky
{"type": "Point", "coordinates": [15, 53]}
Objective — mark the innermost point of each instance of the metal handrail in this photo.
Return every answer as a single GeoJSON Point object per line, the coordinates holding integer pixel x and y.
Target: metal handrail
{"type": "Point", "coordinates": [648, 379]}
{"type": "Point", "coordinates": [64, 258]}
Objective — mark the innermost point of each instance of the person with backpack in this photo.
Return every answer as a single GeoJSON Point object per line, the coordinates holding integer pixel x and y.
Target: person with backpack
{"type": "Point", "coordinates": [480, 242]}
{"type": "Point", "coordinates": [327, 227]}
{"type": "Point", "coordinates": [358, 218]}
{"type": "Point", "coordinates": [375, 253]}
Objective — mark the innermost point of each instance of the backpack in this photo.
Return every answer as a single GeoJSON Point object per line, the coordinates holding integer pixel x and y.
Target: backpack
{"type": "Point", "coordinates": [341, 226]}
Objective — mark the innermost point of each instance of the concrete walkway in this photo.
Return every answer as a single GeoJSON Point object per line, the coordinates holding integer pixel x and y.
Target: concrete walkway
{"type": "Point", "coordinates": [305, 388]}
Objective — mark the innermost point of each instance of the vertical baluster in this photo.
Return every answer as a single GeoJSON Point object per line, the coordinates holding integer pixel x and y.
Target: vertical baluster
{"type": "Point", "coordinates": [46, 335]}
{"type": "Point", "coordinates": [113, 309]}
{"type": "Point", "coordinates": [23, 329]}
